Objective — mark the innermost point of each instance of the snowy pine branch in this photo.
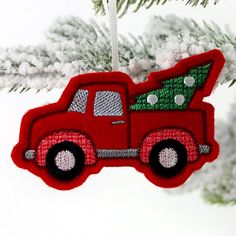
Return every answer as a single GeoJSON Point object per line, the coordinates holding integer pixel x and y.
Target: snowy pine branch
{"type": "Point", "coordinates": [124, 5]}
{"type": "Point", "coordinates": [73, 46]}
{"type": "Point", "coordinates": [194, 41]}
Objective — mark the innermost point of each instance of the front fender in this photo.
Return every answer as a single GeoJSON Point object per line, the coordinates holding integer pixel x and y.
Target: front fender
{"type": "Point", "coordinates": [77, 138]}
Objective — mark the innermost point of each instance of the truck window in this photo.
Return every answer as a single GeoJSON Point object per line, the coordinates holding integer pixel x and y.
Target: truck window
{"type": "Point", "coordinates": [79, 102]}
{"type": "Point", "coordinates": [107, 103]}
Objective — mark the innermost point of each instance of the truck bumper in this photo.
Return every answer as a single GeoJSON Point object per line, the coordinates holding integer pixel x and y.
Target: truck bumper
{"type": "Point", "coordinates": [204, 149]}
{"type": "Point", "coordinates": [30, 154]}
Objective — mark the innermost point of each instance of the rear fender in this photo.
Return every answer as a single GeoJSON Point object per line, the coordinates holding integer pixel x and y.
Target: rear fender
{"type": "Point", "coordinates": [79, 139]}
{"type": "Point", "coordinates": [181, 135]}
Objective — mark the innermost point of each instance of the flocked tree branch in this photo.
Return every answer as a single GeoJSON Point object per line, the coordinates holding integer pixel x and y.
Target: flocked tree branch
{"type": "Point", "coordinates": [194, 39]}
{"type": "Point", "coordinates": [73, 46]}
{"type": "Point", "coordinates": [124, 5]}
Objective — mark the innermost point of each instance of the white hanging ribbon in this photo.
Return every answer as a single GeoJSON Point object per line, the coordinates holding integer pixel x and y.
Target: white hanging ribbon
{"type": "Point", "coordinates": [111, 12]}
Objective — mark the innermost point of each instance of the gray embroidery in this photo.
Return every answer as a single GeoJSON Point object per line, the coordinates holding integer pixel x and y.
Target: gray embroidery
{"type": "Point", "coordinates": [80, 101]}
{"type": "Point", "coordinates": [107, 103]}
{"type": "Point", "coordinates": [189, 81]}
{"type": "Point", "coordinates": [204, 149]}
{"type": "Point", "coordinates": [65, 160]}
{"type": "Point", "coordinates": [117, 153]}
{"type": "Point", "coordinates": [168, 157]}
{"type": "Point", "coordinates": [118, 122]}
{"type": "Point", "coordinates": [30, 154]}
{"type": "Point", "coordinates": [152, 99]}
{"type": "Point", "coordinates": [179, 99]}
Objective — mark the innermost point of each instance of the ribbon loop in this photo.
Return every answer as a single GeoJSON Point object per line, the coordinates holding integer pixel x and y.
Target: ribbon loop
{"type": "Point", "coordinates": [111, 11]}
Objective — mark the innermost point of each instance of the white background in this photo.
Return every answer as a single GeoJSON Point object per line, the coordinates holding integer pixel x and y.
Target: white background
{"type": "Point", "coordinates": [117, 201]}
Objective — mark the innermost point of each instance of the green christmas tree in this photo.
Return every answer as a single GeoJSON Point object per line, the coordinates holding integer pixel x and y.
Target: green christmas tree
{"type": "Point", "coordinates": [176, 93]}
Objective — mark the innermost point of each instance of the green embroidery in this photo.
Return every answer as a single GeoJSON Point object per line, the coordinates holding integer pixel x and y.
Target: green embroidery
{"type": "Point", "coordinates": [171, 88]}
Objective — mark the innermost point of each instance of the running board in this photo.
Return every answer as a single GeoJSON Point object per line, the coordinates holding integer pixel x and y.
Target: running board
{"type": "Point", "coordinates": [103, 153]}
{"type": "Point", "coordinates": [109, 153]}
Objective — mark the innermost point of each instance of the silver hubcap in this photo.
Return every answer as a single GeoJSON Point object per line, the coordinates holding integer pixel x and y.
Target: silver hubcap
{"type": "Point", "coordinates": [168, 157]}
{"type": "Point", "coordinates": [65, 160]}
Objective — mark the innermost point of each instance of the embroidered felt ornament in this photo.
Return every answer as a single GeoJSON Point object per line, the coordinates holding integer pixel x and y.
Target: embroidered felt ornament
{"type": "Point", "coordinates": [161, 126]}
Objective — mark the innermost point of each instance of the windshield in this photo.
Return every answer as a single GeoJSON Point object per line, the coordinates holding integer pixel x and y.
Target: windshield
{"type": "Point", "coordinates": [79, 102]}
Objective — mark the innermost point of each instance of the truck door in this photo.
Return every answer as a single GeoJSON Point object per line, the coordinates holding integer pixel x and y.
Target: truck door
{"type": "Point", "coordinates": [109, 116]}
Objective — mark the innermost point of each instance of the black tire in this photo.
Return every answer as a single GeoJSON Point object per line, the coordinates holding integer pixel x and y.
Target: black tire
{"type": "Point", "coordinates": [74, 151]}
{"type": "Point", "coordinates": [179, 159]}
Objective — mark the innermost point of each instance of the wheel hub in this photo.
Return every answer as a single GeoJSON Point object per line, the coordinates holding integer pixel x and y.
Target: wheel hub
{"type": "Point", "coordinates": [65, 160]}
{"type": "Point", "coordinates": [168, 157]}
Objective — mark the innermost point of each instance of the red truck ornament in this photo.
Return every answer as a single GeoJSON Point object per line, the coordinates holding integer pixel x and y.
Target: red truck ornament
{"type": "Point", "coordinates": [161, 126]}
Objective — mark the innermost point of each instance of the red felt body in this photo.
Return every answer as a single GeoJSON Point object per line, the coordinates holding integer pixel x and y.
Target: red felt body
{"type": "Point", "coordinates": [198, 118]}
